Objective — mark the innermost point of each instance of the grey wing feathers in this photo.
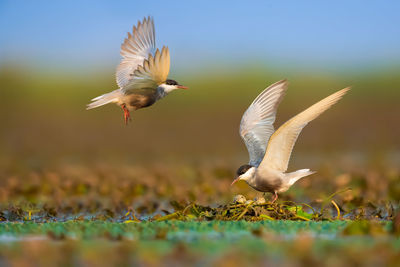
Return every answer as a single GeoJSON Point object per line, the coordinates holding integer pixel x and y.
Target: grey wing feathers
{"type": "Point", "coordinates": [135, 49]}
{"type": "Point", "coordinates": [282, 141]}
{"type": "Point", "coordinates": [256, 125]}
{"type": "Point", "coordinates": [151, 73]}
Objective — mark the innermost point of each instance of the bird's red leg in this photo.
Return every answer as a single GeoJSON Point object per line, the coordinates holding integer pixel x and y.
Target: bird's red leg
{"type": "Point", "coordinates": [127, 115]}
{"type": "Point", "coordinates": [275, 197]}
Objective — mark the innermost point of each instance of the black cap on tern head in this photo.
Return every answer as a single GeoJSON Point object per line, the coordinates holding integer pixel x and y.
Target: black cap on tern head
{"type": "Point", "coordinates": [175, 84]}
{"type": "Point", "coordinates": [243, 169]}
{"type": "Point", "coordinates": [171, 82]}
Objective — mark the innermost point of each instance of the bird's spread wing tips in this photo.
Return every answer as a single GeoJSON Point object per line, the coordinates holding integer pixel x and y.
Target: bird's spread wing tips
{"type": "Point", "coordinates": [156, 67]}
{"type": "Point", "coordinates": [165, 62]}
{"type": "Point", "coordinates": [281, 143]}
{"type": "Point", "coordinates": [256, 125]}
{"type": "Point", "coordinates": [135, 49]}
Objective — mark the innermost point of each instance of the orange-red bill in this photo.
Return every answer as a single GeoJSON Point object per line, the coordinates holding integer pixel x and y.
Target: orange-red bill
{"type": "Point", "coordinates": [234, 181]}
{"type": "Point", "coordinates": [182, 87]}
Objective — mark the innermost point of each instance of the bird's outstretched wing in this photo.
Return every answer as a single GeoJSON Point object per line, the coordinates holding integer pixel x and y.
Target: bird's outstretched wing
{"type": "Point", "coordinates": [256, 125]}
{"type": "Point", "coordinates": [135, 49]}
{"type": "Point", "coordinates": [153, 72]}
{"type": "Point", "coordinates": [281, 143]}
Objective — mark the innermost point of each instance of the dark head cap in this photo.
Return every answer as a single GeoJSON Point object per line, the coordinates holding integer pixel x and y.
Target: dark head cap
{"type": "Point", "coordinates": [171, 82]}
{"type": "Point", "coordinates": [243, 169]}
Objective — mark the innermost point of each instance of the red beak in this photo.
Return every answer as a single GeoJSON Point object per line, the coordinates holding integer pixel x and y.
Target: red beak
{"type": "Point", "coordinates": [234, 181]}
{"type": "Point", "coordinates": [182, 87]}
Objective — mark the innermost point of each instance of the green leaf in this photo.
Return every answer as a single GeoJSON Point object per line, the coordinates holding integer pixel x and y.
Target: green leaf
{"type": "Point", "coordinates": [298, 210]}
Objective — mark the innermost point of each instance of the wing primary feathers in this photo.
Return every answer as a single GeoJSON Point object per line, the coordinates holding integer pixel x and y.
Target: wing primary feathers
{"type": "Point", "coordinates": [153, 72]}
{"type": "Point", "coordinates": [281, 143]}
{"type": "Point", "coordinates": [256, 125]}
{"type": "Point", "coordinates": [135, 49]}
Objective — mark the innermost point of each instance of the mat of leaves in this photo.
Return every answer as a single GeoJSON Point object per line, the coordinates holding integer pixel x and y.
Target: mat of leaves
{"type": "Point", "coordinates": [239, 209]}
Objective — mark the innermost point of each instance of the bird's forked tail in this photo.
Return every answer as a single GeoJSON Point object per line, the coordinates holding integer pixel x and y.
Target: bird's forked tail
{"type": "Point", "coordinates": [292, 177]}
{"type": "Point", "coordinates": [111, 97]}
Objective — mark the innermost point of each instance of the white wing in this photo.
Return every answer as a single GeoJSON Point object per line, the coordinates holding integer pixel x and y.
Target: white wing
{"type": "Point", "coordinates": [135, 49]}
{"type": "Point", "coordinates": [153, 72]}
{"type": "Point", "coordinates": [256, 125]}
{"type": "Point", "coordinates": [281, 143]}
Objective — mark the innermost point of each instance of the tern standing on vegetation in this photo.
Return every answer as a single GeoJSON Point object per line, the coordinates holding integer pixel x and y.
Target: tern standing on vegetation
{"type": "Point", "coordinates": [270, 150]}
{"type": "Point", "coordinates": [142, 73]}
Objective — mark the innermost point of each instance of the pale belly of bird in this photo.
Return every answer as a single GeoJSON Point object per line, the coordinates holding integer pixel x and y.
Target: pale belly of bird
{"type": "Point", "coordinates": [267, 181]}
{"type": "Point", "coordinates": [267, 185]}
{"type": "Point", "coordinates": [136, 101]}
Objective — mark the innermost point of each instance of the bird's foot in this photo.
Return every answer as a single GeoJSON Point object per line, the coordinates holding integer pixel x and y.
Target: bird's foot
{"type": "Point", "coordinates": [275, 197]}
{"type": "Point", "coordinates": [127, 115]}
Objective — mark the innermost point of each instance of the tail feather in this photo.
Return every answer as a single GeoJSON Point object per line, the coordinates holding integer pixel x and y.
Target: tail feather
{"type": "Point", "coordinates": [111, 97]}
{"type": "Point", "coordinates": [292, 177]}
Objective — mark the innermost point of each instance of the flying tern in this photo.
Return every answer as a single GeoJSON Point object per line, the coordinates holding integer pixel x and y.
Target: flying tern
{"type": "Point", "coordinates": [142, 74]}
{"type": "Point", "coordinates": [270, 150]}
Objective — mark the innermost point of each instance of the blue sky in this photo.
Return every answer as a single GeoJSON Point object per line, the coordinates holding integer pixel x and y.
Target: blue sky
{"type": "Point", "coordinates": [75, 34]}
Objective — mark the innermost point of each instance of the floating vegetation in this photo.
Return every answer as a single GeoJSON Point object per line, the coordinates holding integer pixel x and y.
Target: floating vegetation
{"type": "Point", "coordinates": [259, 210]}
{"type": "Point", "coordinates": [239, 209]}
